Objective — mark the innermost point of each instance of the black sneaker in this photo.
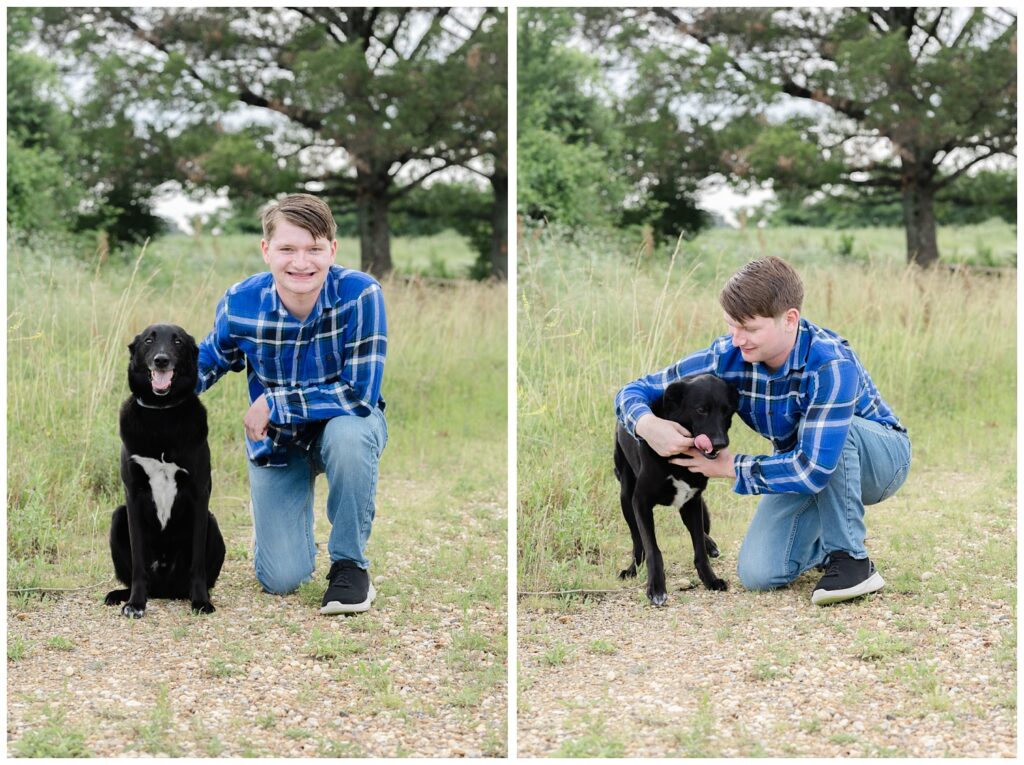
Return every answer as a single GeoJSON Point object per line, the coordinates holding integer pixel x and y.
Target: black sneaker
{"type": "Point", "coordinates": [846, 578]}
{"type": "Point", "coordinates": [350, 590]}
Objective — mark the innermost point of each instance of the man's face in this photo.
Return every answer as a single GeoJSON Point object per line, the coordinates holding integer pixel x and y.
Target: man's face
{"type": "Point", "coordinates": [765, 340]}
{"type": "Point", "coordinates": [298, 262]}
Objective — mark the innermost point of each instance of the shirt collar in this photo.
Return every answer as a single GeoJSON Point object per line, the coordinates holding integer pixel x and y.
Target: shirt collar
{"type": "Point", "coordinates": [272, 301]}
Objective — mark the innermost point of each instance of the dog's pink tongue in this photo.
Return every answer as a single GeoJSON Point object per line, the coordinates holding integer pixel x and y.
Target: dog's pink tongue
{"type": "Point", "coordinates": [162, 380]}
{"type": "Point", "coordinates": [703, 443]}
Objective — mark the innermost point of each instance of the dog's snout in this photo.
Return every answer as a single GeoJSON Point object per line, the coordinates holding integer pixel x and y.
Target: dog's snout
{"type": "Point", "coordinates": [161, 361]}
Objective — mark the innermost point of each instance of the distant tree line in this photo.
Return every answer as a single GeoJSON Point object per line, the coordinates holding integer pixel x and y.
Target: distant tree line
{"type": "Point", "coordinates": [853, 115]}
{"type": "Point", "coordinates": [364, 106]}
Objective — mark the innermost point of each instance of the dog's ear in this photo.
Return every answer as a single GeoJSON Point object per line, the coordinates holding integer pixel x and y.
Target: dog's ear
{"type": "Point", "coordinates": [134, 344]}
{"type": "Point", "coordinates": [675, 394]}
{"type": "Point", "coordinates": [734, 397]}
{"type": "Point", "coordinates": [193, 349]}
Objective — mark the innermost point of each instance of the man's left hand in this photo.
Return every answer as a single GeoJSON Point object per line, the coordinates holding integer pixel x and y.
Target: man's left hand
{"type": "Point", "coordinates": [257, 419]}
{"type": "Point", "coordinates": [694, 459]}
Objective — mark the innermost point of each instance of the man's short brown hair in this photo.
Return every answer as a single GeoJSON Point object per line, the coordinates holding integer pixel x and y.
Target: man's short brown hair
{"type": "Point", "coordinates": [303, 210]}
{"type": "Point", "coordinates": [765, 287]}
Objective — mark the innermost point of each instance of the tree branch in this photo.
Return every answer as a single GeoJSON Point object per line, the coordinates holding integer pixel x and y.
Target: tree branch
{"type": "Point", "coordinates": [323, 23]}
{"type": "Point", "coordinates": [304, 117]}
{"type": "Point", "coordinates": [435, 24]}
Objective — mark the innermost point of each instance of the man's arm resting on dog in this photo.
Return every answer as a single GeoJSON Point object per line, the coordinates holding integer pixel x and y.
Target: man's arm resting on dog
{"type": "Point", "coordinates": [218, 353]}
{"type": "Point", "coordinates": [634, 401]}
{"type": "Point", "coordinates": [358, 389]}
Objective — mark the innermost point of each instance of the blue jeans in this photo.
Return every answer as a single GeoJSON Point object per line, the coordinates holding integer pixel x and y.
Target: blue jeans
{"type": "Point", "coordinates": [791, 533]}
{"type": "Point", "coordinates": [348, 452]}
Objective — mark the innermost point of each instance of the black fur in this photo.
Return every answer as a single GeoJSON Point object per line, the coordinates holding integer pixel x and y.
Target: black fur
{"type": "Point", "coordinates": [701, 404]}
{"type": "Point", "coordinates": [183, 559]}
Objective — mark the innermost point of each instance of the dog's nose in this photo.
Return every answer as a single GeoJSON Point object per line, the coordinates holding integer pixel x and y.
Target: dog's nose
{"type": "Point", "coordinates": [161, 360]}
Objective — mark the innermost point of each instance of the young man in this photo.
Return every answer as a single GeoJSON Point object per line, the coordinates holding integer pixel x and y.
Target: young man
{"type": "Point", "coordinates": [838, 445]}
{"type": "Point", "coordinates": [312, 336]}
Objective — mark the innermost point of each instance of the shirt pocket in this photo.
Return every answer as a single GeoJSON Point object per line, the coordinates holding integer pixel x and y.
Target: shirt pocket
{"type": "Point", "coordinates": [271, 365]}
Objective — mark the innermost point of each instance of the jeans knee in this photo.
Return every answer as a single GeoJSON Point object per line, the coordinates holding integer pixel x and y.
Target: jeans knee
{"type": "Point", "coordinates": [281, 581]}
{"type": "Point", "coordinates": [757, 578]}
{"type": "Point", "coordinates": [350, 440]}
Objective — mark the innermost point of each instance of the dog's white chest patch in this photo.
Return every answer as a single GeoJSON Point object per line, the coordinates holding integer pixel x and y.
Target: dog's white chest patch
{"type": "Point", "coordinates": [161, 483]}
{"type": "Point", "coordinates": [684, 492]}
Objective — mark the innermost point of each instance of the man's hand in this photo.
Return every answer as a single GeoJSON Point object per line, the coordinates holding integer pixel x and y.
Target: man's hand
{"type": "Point", "coordinates": [720, 467]}
{"type": "Point", "coordinates": [666, 437]}
{"type": "Point", "coordinates": [257, 419]}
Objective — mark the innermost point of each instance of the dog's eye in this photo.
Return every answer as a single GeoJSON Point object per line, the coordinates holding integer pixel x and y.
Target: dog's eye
{"type": "Point", "coordinates": [177, 341]}
{"type": "Point", "coordinates": [149, 341]}
{"type": "Point", "coordinates": [702, 410]}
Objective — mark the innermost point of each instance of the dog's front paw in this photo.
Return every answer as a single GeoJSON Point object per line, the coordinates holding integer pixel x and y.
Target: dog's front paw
{"type": "Point", "coordinates": [115, 597]}
{"type": "Point", "coordinates": [657, 598]}
{"type": "Point", "coordinates": [628, 573]}
{"type": "Point", "coordinates": [718, 584]}
{"type": "Point", "coordinates": [133, 612]}
{"type": "Point", "coordinates": [202, 607]}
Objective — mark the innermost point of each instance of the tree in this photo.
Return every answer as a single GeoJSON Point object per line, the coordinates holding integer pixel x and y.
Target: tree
{"type": "Point", "coordinates": [569, 143]}
{"type": "Point", "coordinates": [41, 195]}
{"type": "Point", "coordinates": [903, 101]}
{"type": "Point", "coordinates": [355, 103]}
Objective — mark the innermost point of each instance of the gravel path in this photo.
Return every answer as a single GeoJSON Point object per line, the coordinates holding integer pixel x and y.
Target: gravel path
{"type": "Point", "coordinates": [423, 673]}
{"type": "Point", "coordinates": [767, 674]}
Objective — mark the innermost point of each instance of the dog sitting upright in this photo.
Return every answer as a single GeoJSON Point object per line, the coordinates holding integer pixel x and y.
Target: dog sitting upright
{"type": "Point", "coordinates": [164, 540]}
{"type": "Point", "coordinates": [704, 405]}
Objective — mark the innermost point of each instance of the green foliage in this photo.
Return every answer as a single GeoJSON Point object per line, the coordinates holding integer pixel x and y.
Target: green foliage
{"type": "Point", "coordinates": [972, 199]}
{"type": "Point", "coordinates": [41, 194]}
{"type": "Point", "coordinates": [883, 109]}
{"type": "Point", "coordinates": [259, 101]}
{"type": "Point", "coordinates": [568, 146]}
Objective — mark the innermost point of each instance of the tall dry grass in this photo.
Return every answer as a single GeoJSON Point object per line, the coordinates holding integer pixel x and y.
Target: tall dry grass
{"type": "Point", "coordinates": [594, 314]}
{"type": "Point", "coordinates": [70, 321]}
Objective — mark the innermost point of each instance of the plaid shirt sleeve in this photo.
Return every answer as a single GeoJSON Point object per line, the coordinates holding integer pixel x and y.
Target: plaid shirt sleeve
{"type": "Point", "coordinates": [358, 389]}
{"type": "Point", "coordinates": [822, 432]}
{"type": "Point", "coordinates": [218, 353]}
{"type": "Point", "coordinates": [635, 399]}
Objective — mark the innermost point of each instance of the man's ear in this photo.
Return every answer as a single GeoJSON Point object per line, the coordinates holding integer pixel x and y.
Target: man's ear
{"type": "Point", "coordinates": [792, 319]}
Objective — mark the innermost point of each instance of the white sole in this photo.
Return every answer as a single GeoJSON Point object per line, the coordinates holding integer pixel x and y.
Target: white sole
{"type": "Point", "coordinates": [826, 597]}
{"type": "Point", "coordinates": [334, 607]}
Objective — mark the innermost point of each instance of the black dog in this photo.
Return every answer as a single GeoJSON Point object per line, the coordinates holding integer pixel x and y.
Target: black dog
{"type": "Point", "coordinates": [165, 542]}
{"type": "Point", "coordinates": [703, 404]}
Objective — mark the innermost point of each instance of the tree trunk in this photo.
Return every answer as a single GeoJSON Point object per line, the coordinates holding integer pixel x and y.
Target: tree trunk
{"type": "Point", "coordinates": [374, 233]}
{"type": "Point", "coordinates": [499, 226]}
{"type": "Point", "coordinates": [919, 219]}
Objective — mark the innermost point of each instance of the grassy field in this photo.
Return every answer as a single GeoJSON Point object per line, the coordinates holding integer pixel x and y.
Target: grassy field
{"type": "Point", "coordinates": [941, 349]}
{"type": "Point", "coordinates": [439, 540]}
{"type": "Point", "coordinates": [767, 674]}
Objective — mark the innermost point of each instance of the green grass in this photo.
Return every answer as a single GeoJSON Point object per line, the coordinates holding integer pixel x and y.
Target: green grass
{"type": "Point", "coordinates": [592, 316]}
{"type": "Point", "coordinates": [17, 648]}
{"type": "Point", "coordinates": [70, 321]}
{"type": "Point", "coordinates": [53, 738]}
{"type": "Point", "coordinates": [332, 645]}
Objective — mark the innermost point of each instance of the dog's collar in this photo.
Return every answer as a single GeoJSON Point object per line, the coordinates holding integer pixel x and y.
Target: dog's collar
{"type": "Point", "coordinates": [144, 405]}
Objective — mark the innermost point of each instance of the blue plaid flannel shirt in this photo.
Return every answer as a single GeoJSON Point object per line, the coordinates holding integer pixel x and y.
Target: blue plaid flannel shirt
{"type": "Point", "coordinates": [327, 366]}
{"type": "Point", "coordinates": [805, 408]}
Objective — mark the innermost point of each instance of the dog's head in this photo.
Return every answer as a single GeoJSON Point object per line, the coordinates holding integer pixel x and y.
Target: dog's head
{"type": "Point", "coordinates": [164, 362]}
{"type": "Point", "coordinates": [704, 405]}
